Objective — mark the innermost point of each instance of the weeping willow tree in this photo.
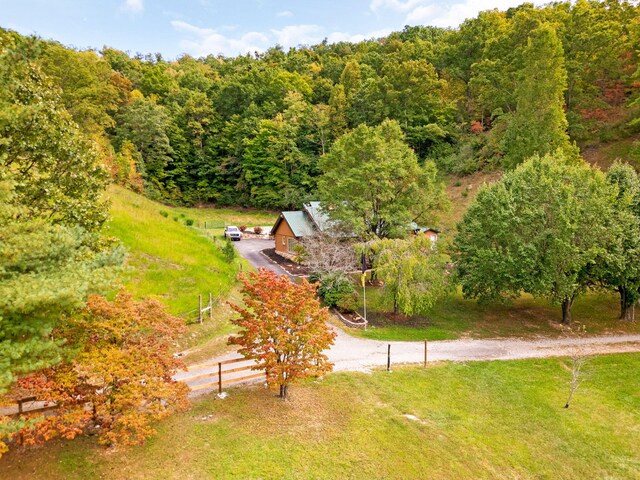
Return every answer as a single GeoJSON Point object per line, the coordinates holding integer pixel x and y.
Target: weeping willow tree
{"type": "Point", "coordinates": [413, 271]}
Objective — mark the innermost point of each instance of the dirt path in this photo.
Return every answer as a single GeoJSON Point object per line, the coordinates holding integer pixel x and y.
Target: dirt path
{"type": "Point", "coordinates": [357, 354]}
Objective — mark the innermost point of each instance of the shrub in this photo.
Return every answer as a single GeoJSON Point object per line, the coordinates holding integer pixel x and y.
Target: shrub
{"type": "Point", "coordinates": [333, 287]}
{"type": "Point", "coordinates": [457, 184]}
{"type": "Point", "coordinates": [242, 228]}
{"type": "Point", "coordinates": [228, 251]}
{"type": "Point", "coordinates": [175, 219]}
{"type": "Point", "coordinates": [188, 222]}
{"type": "Point", "coordinates": [164, 213]}
{"type": "Point", "coordinates": [257, 230]}
{"type": "Point", "coordinates": [348, 303]}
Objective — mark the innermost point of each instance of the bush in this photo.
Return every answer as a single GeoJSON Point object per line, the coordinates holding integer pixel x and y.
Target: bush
{"type": "Point", "coordinates": [333, 287]}
{"type": "Point", "coordinates": [188, 222]}
{"type": "Point", "coordinates": [228, 251]}
{"type": "Point", "coordinates": [242, 228]}
{"type": "Point", "coordinates": [175, 219]}
{"type": "Point", "coordinates": [348, 303]}
{"type": "Point", "coordinates": [164, 213]}
{"type": "Point", "coordinates": [257, 230]}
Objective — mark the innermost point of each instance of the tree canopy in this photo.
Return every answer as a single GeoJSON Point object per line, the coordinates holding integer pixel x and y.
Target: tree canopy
{"type": "Point", "coordinates": [373, 185]}
{"type": "Point", "coordinates": [539, 230]}
{"type": "Point", "coordinates": [283, 328]}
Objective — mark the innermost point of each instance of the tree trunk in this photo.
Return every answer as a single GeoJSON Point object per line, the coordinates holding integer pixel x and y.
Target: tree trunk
{"type": "Point", "coordinates": [627, 305]}
{"type": "Point", "coordinates": [567, 303]}
{"type": "Point", "coordinates": [284, 390]}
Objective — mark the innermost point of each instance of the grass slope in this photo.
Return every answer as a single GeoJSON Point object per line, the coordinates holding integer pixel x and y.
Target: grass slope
{"type": "Point", "coordinates": [175, 263]}
{"type": "Point", "coordinates": [167, 260]}
{"type": "Point", "coordinates": [497, 420]}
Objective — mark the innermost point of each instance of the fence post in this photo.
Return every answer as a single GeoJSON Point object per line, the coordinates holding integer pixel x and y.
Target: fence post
{"type": "Point", "coordinates": [210, 306]}
{"type": "Point", "coordinates": [219, 377]}
{"type": "Point", "coordinates": [425, 353]}
{"type": "Point", "coordinates": [389, 357]}
{"type": "Point", "coordinates": [200, 308]}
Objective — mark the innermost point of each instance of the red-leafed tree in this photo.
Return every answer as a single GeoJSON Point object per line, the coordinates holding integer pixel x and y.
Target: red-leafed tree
{"type": "Point", "coordinates": [118, 379]}
{"type": "Point", "coordinates": [284, 328]}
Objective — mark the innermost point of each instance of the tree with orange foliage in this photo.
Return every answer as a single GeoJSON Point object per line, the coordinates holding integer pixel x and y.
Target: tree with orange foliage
{"type": "Point", "coordinates": [119, 379]}
{"type": "Point", "coordinates": [284, 328]}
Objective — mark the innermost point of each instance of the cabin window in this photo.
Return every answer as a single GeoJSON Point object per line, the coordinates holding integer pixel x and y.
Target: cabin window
{"type": "Point", "coordinates": [284, 240]}
{"type": "Point", "coordinates": [291, 244]}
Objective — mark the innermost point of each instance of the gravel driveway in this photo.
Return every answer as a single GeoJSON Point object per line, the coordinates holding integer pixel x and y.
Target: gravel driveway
{"type": "Point", "coordinates": [358, 354]}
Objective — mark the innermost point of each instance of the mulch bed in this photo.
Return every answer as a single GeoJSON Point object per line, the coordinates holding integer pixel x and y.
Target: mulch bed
{"type": "Point", "coordinates": [289, 265]}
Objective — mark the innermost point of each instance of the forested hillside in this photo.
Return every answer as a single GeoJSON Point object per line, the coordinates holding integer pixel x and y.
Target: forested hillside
{"type": "Point", "coordinates": [250, 130]}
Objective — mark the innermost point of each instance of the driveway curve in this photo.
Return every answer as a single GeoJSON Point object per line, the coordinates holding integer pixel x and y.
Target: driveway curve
{"type": "Point", "coordinates": [250, 248]}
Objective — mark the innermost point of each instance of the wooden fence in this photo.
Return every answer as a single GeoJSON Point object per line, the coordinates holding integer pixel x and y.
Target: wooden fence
{"type": "Point", "coordinates": [221, 372]}
{"type": "Point", "coordinates": [27, 405]}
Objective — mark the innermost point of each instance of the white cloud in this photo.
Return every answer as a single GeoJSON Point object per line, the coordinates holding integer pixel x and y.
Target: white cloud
{"type": "Point", "coordinates": [207, 41]}
{"type": "Point", "coordinates": [133, 6]}
{"type": "Point", "coordinates": [294, 35]}
{"type": "Point", "coordinates": [225, 41]}
{"type": "Point", "coordinates": [437, 13]}
{"type": "Point", "coordinates": [285, 13]}
{"type": "Point", "coordinates": [347, 37]}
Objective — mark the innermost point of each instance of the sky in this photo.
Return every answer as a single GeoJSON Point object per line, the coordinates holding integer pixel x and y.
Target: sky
{"type": "Point", "coordinates": [203, 27]}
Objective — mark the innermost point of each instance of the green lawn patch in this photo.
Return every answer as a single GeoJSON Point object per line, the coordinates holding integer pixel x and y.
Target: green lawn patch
{"type": "Point", "coordinates": [497, 420]}
{"type": "Point", "coordinates": [455, 317]}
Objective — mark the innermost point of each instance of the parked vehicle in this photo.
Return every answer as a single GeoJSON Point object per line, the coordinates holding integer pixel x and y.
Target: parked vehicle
{"type": "Point", "coordinates": [232, 233]}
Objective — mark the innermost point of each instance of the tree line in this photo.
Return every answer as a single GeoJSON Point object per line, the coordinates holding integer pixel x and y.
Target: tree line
{"type": "Point", "coordinates": [251, 130]}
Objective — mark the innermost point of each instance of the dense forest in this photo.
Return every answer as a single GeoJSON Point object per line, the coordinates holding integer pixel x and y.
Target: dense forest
{"type": "Point", "coordinates": [251, 130]}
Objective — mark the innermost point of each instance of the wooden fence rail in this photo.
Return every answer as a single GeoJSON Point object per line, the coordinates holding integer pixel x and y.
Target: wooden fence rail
{"type": "Point", "coordinates": [219, 381]}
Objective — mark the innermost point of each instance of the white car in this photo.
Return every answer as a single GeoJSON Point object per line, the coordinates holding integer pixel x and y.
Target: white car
{"type": "Point", "coordinates": [232, 233]}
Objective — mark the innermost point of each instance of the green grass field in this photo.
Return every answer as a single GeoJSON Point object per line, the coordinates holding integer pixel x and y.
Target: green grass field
{"type": "Point", "coordinates": [498, 420]}
{"type": "Point", "coordinates": [175, 263]}
{"type": "Point", "coordinates": [455, 317]}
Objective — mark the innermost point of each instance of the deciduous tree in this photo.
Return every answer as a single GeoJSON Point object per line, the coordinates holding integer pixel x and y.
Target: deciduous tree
{"type": "Point", "coordinates": [621, 268]}
{"type": "Point", "coordinates": [373, 185]}
{"type": "Point", "coordinates": [56, 170]}
{"type": "Point", "coordinates": [540, 230]}
{"type": "Point", "coordinates": [118, 378]}
{"type": "Point", "coordinates": [283, 328]}
{"type": "Point", "coordinates": [539, 124]}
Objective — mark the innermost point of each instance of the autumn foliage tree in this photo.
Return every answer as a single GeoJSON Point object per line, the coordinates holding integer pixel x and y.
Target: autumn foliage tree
{"type": "Point", "coordinates": [284, 328]}
{"type": "Point", "coordinates": [118, 379]}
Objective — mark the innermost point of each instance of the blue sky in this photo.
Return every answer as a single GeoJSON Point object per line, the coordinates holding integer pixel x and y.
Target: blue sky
{"type": "Point", "coordinates": [201, 27]}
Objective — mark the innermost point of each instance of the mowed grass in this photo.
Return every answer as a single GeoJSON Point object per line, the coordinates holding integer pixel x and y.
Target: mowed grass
{"type": "Point", "coordinates": [498, 420]}
{"type": "Point", "coordinates": [455, 317]}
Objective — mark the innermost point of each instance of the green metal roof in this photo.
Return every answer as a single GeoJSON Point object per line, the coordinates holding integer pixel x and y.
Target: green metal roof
{"type": "Point", "coordinates": [299, 223]}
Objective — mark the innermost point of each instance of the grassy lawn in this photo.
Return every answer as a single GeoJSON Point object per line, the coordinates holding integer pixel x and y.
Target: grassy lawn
{"type": "Point", "coordinates": [455, 317]}
{"type": "Point", "coordinates": [469, 420]}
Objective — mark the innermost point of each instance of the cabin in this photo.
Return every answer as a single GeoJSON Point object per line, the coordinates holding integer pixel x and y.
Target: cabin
{"type": "Point", "coordinates": [432, 233]}
{"type": "Point", "coordinates": [292, 226]}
